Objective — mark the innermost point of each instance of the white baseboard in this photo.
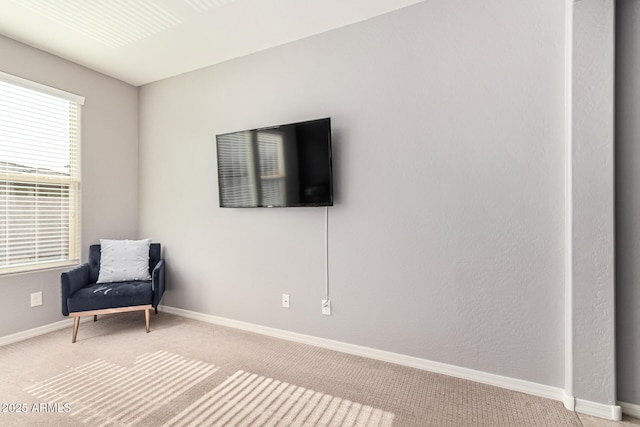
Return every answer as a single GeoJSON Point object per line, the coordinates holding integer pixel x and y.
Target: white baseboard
{"type": "Point", "coordinates": [611, 412]}
{"type": "Point", "coordinates": [569, 402]}
{"type": "Point", "coordinates": [630, 409]}
{"type": "Point", "coordinates": [40, 330]}
{"type": "Point", "coordinates": [386, 356]}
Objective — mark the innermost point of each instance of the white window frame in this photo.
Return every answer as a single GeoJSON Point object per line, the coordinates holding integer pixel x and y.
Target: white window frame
{"type": "Point", "coordinates": [73, 181]}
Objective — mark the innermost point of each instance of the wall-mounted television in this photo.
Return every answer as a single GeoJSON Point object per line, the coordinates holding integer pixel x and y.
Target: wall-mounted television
{"type": "Point", "coordinates": [280, 166]}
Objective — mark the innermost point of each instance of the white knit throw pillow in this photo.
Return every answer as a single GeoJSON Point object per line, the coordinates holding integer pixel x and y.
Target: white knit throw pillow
{"type": "Point", "coordinates": [124, 260]}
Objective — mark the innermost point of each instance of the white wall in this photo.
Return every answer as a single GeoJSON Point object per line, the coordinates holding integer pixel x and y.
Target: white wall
{"type": "Point", "coordinates": [109, 173]}
{"type": "Point", "coordinates": [446, 240]}
{"type": "Point", "coordinates": [628, 199]}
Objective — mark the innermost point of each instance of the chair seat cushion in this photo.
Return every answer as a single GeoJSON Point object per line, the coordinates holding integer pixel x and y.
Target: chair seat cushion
{"type": "Point", "coordinates": [98, 296]}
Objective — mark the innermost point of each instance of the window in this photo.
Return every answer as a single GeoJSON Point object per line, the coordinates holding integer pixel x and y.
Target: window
{"type": "Point", "coordinates": [39, 176]}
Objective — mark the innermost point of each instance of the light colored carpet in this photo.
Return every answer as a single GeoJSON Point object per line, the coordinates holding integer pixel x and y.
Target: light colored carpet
{"type": "Point", "coordinates": [187, 372]}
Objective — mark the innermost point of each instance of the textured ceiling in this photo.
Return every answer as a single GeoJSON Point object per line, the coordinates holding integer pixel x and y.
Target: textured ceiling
{"type": "Point", "coordinates": [141, 41]}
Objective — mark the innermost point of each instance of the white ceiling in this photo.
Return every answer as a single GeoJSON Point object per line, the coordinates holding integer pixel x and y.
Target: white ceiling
{"type": "Point", "coordinates": [141, 41]}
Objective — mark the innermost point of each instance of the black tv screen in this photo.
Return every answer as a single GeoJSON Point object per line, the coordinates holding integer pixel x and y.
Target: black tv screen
{"type": "Point", "coordinates": [280, 166]}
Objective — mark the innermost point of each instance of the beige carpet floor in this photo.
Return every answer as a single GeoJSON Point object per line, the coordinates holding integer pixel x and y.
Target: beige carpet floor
{"type": "Point", "coordinates": [187, 372]}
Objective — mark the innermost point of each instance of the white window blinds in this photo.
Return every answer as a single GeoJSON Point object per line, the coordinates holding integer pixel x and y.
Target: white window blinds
{"type": "Point", "coordinates": [39, 176]}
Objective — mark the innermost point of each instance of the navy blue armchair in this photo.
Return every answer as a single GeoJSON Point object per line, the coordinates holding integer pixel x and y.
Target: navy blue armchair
{"type": "Point", "coordinates": [82, 296]}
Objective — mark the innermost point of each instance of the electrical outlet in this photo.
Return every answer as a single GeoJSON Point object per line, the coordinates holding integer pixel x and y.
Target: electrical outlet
{"type": "Point", "coordinates": [285, 300]}
{"type": "Point", "coordinates": [326, 307]}
{"type": "Point", "coordinates": [36, 299]}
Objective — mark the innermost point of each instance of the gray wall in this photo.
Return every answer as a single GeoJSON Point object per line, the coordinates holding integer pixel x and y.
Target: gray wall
{"type": "Point", "coordinates": [446, 240]}
{"type": "Point", "coordinates": [628, 199]}
{"type": "Point", "coordinates": [594, 367]}
{"type": "Point", "coordinates": [109, 173]}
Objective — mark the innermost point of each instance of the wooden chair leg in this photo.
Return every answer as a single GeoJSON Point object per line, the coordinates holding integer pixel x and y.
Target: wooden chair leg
{"type": "Point", "coordinates": [146, 318]}
{"type": "Point", "coordinates": [95, 317]}
{"type": "Point", "coordinates": [76, 322]}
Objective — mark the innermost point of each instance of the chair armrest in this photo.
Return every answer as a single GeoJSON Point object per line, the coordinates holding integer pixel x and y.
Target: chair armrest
{"type": "Point", "coordinates": [71, 281]}
{"type": "Point", "coordinates": [157, 283]}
